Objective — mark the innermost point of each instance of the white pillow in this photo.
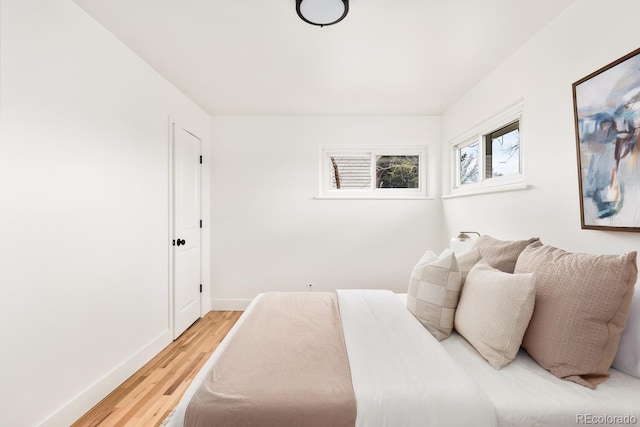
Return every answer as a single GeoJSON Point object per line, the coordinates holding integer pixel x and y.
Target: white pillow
{"type": "Point", "coordinates": [434, 290]}
{"type": "Point", "coordinates": [628, 356]}
{"type": "Point", "coordinates": [494, 311]}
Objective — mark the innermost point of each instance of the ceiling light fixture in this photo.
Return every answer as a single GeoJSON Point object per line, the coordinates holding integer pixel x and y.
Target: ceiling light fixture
{"type": "Point", "coordinates": [322, 12]}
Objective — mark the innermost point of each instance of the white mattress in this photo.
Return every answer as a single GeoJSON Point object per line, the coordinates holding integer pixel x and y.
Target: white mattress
{"type": "Point", "coordinates": [401, 375]}
{"type": "Point", "coordinates": [525, 394]}
{"type": "Point", "coordinates": [385, 343]}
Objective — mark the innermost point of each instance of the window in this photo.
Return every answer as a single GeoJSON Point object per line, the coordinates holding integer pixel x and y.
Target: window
{"type": "Point", "coordinates": [489, 157]}
{"type": "Point", "coordinates": [503, 151]}
{"type": "Point", "coordinates": [366, 172]}
{"type": "Point", "coordinates": [469, 161]}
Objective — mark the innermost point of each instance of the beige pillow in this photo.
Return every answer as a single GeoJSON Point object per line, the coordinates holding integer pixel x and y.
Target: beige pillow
{"type": "Point", "coordinates": [502, 254]}
{"type": "Point", "coordinates": [466, 261]}
{"type": "Point", "coordinates": [434, 290]}
{"type": "Point", "coordinates": [494, 311]}
{"type": "Point", "coordinates": [582, 304]}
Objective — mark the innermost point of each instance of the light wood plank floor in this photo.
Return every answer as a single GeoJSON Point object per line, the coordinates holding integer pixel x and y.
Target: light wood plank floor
{"type": "Point", "coordinates": [150, 394]}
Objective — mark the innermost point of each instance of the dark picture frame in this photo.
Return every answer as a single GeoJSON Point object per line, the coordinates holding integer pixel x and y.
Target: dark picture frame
{"type": "Point", "coordinates": [606, 107]}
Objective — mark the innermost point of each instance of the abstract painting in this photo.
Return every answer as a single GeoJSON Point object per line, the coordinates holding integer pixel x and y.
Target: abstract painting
{"type": "Point", "coordinates": [607, 119]}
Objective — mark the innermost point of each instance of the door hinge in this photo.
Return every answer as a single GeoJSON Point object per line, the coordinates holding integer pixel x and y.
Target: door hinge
{"type": "Point", "coordinates": [200, 288]}
{"type": "Point", "coordinates": [200, 159]}
{"type": "Point", "coordinates": [200, 223]}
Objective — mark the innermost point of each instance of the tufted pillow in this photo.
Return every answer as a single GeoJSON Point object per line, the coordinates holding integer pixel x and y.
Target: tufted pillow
{"type": "Point", "coordinates": [582, 304]}
{"type": "Point", "coordinates": [502, 254]}
{"type": "Point", "coordinates": [494, 310]}
{"type": "Point", "coordinates": [434, 290]}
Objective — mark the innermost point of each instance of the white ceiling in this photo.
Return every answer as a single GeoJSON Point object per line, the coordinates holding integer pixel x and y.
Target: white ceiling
{"type": "Point", "coordinates": [387, 57]}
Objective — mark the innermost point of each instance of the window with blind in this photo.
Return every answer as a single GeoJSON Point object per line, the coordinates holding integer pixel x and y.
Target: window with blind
{"type": "Point", "coordinates": [360, 172]}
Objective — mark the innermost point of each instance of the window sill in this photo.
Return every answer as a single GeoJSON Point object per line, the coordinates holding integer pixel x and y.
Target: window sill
{"type": "Point", "coordinates": [371, 198]}
{"type": "Point", "coordinates": [488, 190]}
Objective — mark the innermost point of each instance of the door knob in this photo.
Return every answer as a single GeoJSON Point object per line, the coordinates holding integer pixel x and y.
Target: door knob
{"type": "Point", "coordinates": [181, 242]}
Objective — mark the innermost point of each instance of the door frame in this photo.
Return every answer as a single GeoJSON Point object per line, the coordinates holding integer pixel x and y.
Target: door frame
{"type": "Point", "coordinates": [205, 304]}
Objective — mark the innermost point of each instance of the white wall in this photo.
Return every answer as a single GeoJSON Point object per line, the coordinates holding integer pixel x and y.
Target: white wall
{"type": "Point", "coordinates": [269, 233]}
{"type": "Point", "coordinates": [84, 211]}
{"type": "Point", "coordinates": [586, 37]}
{"type": "Point", "coordinates": [84, 194]}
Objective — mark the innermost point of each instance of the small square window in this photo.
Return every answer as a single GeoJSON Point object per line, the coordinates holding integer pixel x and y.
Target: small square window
{"type": "Point", "coordinates": [350, 171]}
{"type": "Point", "coordinates": [397, 171]}
{"type": "Point", "coordinates": [503, 151]}
{"type": "Point", "coordinates": [469, 163]}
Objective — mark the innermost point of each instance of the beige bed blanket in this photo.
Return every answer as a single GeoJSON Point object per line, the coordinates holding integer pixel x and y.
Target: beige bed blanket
{"type": "Point", "coordinates": [286, 366]}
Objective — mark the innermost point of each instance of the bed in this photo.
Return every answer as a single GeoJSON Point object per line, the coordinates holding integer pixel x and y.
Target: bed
{"type": "Point", "coordinates": [398, 373]}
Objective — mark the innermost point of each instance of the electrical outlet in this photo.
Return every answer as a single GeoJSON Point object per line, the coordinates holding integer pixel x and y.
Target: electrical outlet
{"type": "Point", "coordinates": [310, 286]}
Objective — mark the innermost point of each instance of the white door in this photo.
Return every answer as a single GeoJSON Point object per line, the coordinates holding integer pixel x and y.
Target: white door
{"type": "Point", "coordinates": [186, 229]}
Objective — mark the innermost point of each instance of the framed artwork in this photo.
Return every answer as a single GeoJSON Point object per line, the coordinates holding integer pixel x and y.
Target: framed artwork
{"type": "Point", "coordinates": [607, 120]}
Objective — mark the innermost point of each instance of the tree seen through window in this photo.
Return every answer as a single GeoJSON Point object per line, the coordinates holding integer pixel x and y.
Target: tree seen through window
{"type": "Point", "coordinates": [397, 172]}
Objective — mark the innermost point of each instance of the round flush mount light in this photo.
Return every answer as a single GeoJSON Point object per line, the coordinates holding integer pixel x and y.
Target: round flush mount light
{"type": "Point", "coordinates": [322, 12]}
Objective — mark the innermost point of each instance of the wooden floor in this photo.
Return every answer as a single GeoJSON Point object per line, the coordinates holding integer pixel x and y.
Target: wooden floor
{"type": "Point", "coordinates": [150, 394]}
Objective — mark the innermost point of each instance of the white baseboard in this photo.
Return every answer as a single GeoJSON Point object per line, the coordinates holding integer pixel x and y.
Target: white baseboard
{"type": "Point", "coordinates": [229, 304]}
{"type": "Point", "coordinates": [80, 404]}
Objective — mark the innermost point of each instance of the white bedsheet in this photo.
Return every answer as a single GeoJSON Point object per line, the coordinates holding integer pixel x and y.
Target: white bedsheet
{"type": "Point", "coordinates": [384, 340]}
{"type": "Point", "coordinates": [401, 375]}
{"type": "Point", "coordinates": [525, 394]}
